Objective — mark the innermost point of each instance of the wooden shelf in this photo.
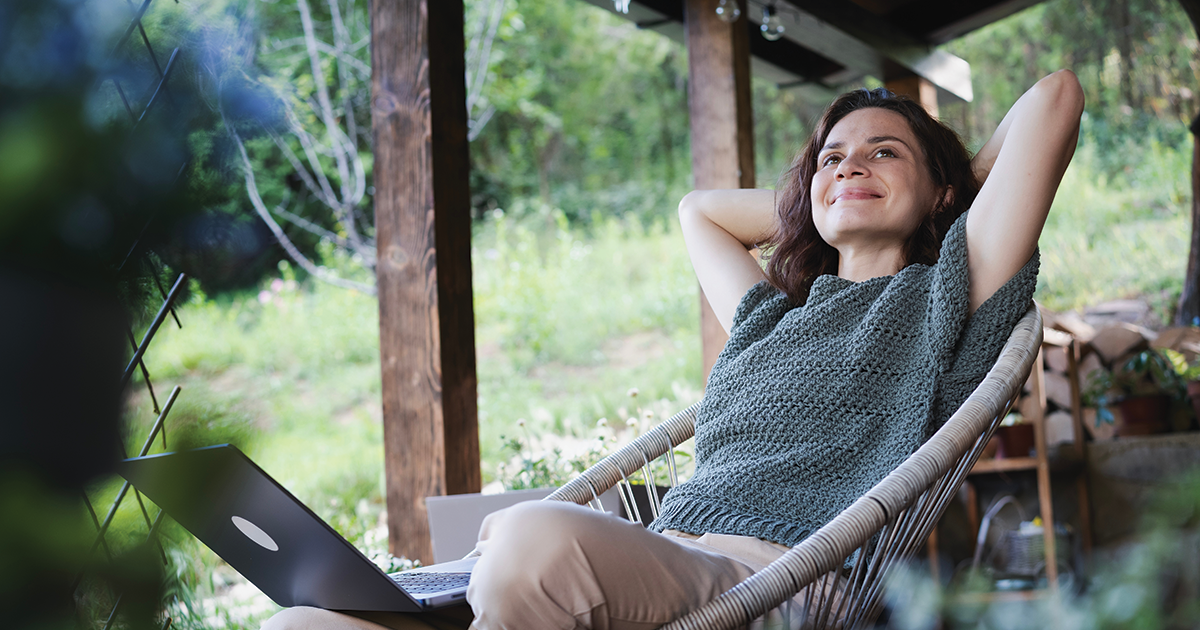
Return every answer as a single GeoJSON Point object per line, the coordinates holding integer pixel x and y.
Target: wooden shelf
{"type": "Point", "coordinates": [1004, 465]}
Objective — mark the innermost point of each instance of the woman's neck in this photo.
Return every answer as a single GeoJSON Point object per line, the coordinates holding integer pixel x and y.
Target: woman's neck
{"type": "Point", "coordinates": [863, 263]}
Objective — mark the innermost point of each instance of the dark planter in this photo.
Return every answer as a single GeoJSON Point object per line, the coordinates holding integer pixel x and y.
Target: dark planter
{"type": "Point", "coordinates": [1144, 415]}
{"type": "Point", "coordinates": [643, 502]}
{"type": "Point", "coordinates": [1016, 440]}
{"type": "Point", "coordinates": [1193, 390]}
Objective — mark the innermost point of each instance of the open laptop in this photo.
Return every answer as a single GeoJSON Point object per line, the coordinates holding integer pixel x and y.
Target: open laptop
{"type": "Point", "coordinates": [276, 542]}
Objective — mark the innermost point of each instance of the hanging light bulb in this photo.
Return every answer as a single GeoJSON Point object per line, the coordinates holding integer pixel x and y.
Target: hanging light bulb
{"type": "Point", "coordinates": [772, 26]}
{"type": "Point", "coordinates": [621, 6]}
{"type": "Point", "coordinates": [728, 11]}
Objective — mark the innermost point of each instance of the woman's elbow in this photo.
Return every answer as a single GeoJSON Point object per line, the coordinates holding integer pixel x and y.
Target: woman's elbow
{"type": "Point", "coordinates": [1064, 93]}
{"type": "Point", "coordinates": [691, 204]}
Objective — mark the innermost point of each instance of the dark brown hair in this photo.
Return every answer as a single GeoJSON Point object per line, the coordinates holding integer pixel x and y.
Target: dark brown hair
{"type": "Point", "coordinates": [800, 254]}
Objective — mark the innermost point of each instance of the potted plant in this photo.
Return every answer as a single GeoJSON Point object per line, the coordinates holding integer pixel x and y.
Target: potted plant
{"type": "Point", "coordinates": [1143, 388]}
{"type": "Point", "coordinates": [1190, 375]}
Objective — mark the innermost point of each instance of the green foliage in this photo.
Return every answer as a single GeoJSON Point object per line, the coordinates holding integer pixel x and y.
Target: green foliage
{"type": "Point", "coordinates": [1152, 371]}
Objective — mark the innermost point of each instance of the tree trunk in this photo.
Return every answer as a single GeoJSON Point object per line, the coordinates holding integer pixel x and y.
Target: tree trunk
{"type": "Point", "coordinates": [1188, 313]}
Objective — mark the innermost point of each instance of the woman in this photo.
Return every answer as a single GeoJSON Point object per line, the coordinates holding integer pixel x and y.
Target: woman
{"type": "Point", "coordinates": [880, 309]}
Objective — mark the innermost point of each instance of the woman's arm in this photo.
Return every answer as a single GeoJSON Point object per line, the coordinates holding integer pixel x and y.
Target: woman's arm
{"type": "Point", "coordinates": [1021, 167]}
{"type": "Point", "coordinates": [720, 227]}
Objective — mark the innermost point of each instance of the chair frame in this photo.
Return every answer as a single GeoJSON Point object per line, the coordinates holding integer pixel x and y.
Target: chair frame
{"type": "Point", "coordinates": [902, 508]}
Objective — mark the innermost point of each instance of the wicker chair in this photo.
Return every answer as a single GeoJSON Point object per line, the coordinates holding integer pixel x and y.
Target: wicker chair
{"type": "Point", "coordinates": [903, 508]}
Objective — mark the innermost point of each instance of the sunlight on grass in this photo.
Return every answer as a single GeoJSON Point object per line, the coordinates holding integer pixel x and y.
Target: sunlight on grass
{"type": "Point", "coordinates": [1117, 238]}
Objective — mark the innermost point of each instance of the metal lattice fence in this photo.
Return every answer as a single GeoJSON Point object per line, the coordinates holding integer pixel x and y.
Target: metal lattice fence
{"type": "Point", "coordinates": [140, 97]}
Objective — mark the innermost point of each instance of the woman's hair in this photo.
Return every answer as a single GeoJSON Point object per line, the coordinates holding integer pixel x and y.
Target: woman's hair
{"type": "Point", "coordinates": [800, 254]}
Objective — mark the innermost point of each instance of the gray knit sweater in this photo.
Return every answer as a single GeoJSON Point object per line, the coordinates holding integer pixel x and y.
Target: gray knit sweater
{"type": "Point", "coordinates": [809, 407]}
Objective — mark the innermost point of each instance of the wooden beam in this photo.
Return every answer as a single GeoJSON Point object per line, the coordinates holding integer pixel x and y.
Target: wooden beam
{"type": "Point", "coordinates": [422, 221]}
{"type": "Point", "coordinates": [917, 88]}
{"type": "Point", "coordinates": [722, 126]}
{"type": "Point", "coordinates": [892, 45]}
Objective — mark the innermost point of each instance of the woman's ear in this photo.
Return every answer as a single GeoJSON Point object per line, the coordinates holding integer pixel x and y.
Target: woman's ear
{"type": "Point", "coordinates": [947, 198]}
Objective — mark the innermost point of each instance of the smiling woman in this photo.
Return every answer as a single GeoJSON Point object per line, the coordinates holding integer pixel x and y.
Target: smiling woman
{"type": "Point", "coordinates": [909, 178]}
{"type": "Point", "coordinates": [883, 305]}
{"type": "Point", "coordinates": [871, 192]}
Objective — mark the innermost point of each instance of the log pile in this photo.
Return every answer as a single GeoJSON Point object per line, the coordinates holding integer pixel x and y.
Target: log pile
{"type": "Point", "coordinates": [1101, 351]}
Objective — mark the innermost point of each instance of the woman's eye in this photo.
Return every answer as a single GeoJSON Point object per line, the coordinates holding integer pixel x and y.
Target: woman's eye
{"type": "Point", "coordinates": [830, 160]}
{"type": "Point", "coordinates": [885, 153]}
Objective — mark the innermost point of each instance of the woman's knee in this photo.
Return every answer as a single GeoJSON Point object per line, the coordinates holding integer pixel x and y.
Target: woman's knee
{"type": "Point", "coordinates": [533, 533]}
{"type": "Point", "coordinates": [528, 551]}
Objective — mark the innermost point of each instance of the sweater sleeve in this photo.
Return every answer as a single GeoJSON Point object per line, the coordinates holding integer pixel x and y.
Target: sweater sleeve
{"type": "Point", "coordinates": [752, 302]}
{"type": "Point", "coordinates": [966, 355]}
{"type": "Point", "coordinates": [949, 296]}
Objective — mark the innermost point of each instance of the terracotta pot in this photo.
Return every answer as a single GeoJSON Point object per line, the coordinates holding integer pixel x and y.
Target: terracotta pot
{"type": "Point", "coordinates": [1016, 440]}
{"type": "Point", "coordinates": [1193, 389]}
{"type": "Point", "coordinates": [1144, 415]}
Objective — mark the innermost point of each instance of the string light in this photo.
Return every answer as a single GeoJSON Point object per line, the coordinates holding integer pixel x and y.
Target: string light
{"type": "Point", "coordinates": [728, 11]}
{"type": "Point", "coordinates": [772, 26]}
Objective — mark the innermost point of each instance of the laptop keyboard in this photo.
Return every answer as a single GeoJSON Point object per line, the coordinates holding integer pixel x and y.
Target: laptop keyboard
{"type": "Point", "coordinates": [420, 583]}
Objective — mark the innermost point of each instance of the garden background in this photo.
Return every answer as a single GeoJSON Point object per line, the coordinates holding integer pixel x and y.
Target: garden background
{"type": "Point", "coordinates": [586, 307]}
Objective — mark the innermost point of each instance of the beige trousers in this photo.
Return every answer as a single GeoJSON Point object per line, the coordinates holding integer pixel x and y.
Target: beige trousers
{"type": "Point", "coordinates": [547, 564]}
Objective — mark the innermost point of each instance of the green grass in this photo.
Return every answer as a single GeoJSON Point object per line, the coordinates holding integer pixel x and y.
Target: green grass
{"type": "Point", "coordinates": [1117, 237]}
{"type": "Point", "coordinates": [566, 322]}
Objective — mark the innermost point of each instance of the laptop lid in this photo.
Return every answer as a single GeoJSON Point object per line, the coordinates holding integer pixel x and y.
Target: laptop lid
{"type": "Point", "coordinates": [264, 532]}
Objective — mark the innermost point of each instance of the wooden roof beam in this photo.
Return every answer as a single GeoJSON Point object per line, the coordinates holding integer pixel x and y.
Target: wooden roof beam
{"type": "Point", "coordinates": [829, 43]}
{"type": "Point", "coordinates": [857, 36]}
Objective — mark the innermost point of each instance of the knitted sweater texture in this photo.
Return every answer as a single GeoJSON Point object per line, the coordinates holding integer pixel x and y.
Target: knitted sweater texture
{"type": "Point", "coordinates": [809, 407]}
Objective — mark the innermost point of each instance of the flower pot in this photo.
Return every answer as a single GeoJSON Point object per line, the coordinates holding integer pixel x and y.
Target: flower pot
{"type": "Point", "coordinates": [1193, 390]}
{"type": "Point", "coordinates": [1016, 440]}
{"type": "Point", "coordinates": [1144, 415]}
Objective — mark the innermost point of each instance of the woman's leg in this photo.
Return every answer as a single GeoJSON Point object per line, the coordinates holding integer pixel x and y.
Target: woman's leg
{"type": "Point", "coordinates": [307, 618]}
{"type": "Point", "coordinates": [555, 565]}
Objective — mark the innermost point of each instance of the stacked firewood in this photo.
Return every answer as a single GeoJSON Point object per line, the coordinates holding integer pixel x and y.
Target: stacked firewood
{"type": "Point", "coordinates": [1101, 352]}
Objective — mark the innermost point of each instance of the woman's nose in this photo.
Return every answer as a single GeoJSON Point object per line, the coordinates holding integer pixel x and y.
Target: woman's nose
{"type": "Point", "coordinates": [851, 166]}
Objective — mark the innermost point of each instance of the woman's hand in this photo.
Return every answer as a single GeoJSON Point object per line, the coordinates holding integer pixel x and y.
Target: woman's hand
{"type": "Point", "coordinates": [1020, 167]}
{"type": "Point", "coordinates": [720, 227]}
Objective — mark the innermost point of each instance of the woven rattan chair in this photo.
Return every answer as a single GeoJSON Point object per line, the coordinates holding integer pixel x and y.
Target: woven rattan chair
{"type": "Point", "coordinates": [902, 508]}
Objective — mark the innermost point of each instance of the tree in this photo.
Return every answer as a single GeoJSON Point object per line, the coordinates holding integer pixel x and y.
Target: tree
{"type": "Point", "coordinates": [315, 161]}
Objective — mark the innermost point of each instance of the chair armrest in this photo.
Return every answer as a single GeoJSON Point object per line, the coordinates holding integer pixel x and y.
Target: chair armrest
{"type": "Point", "coordinates": [630, 458]}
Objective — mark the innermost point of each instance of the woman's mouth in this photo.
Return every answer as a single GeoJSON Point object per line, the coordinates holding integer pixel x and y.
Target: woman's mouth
{"type": "Point", "coordinates": [850, 194]}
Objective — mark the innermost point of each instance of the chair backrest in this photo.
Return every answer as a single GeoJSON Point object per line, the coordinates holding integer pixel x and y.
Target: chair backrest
{"type": "Point", "coordinates": [881, 529]}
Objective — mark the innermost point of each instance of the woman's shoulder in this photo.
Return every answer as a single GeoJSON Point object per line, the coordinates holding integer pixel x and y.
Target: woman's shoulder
{"type": "Point", "coordinates": [763, 299]}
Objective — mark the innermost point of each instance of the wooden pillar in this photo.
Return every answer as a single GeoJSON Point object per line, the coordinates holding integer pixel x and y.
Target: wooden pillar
{"type": "Point", "coordinates": [422, 221]}
{"type": "Point", "coordinates": [722, 125]}
{"type": "Point", "coordinates": [917, 88]}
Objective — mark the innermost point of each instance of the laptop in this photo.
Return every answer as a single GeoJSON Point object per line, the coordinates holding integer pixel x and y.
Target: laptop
{"type": "Point", "coordinates": [276, 542]}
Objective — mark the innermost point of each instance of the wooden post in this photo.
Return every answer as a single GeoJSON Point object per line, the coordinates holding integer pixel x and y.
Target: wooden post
{"type": "Point", "coordinates": [1037, 390]}
{"type": "Point", "coordinates": [722, 125]}
{"type": "Point", "coordinates": [422, 221]}
{"type": "Point", "coordinates": [917, 88]}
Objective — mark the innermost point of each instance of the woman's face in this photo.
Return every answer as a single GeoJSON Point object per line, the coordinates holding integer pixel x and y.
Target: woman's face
{"type": "Point", "coordinates": [872, 187]}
